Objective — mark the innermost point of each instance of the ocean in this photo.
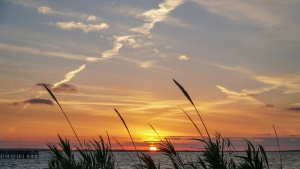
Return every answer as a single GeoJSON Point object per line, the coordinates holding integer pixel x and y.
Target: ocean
{"type": "Point", "coordinates": [127, 160]}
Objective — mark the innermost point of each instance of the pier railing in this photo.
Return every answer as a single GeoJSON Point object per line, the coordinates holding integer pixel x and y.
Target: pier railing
{"type": "Point", "coordinates": [19, 154]}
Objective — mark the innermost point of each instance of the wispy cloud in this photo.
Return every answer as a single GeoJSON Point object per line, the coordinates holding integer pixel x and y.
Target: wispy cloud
{"type": "Point", "coordinates": [241, 11]}
{"type": "Point", "coordinates": [147, 64]}
{"type": "Point", "coordinates": [242, 96]}
{"type": "Point", "coordinates": [69, 76]}
{"type": "Point", "coordinates": [157, 15]}
{"type": "Point", "coordinates": [34, 51]}
{"type": "Point", "coordinates": [238, 69]}
{"type": "Point", "coordinates": [263, 15]}
{"type": "Point", "coordinates": [45, 10]}
{"type": "Point", "coordinates": [79, 25]}
{"type": "Point", "coordinates": [118, 43]}
{"type": "Point", "coordinates": [249, 92]}
{"type": "Point", "coordinates": [291, 82]}
{"type": "Point", "coordinates": [92, 18]}
{"type": "Point", "coordinates": [50, 11]}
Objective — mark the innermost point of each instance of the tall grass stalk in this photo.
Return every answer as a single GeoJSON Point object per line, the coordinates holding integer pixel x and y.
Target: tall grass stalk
{"type": "Point", "coordinates": [49, 91]}
{"type": "Point", "coordinates": [279, 151]}
{"type": "Point", "coordinates": [129, 134]}
{"type": "Point", "coordinates": [192, 122]}
{"type": "Point", "coordinates": [191, 101]}
{"type": "Point", "coordinates": [155, 132]}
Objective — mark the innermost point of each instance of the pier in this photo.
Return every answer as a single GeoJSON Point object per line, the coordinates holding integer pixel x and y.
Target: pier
{"type": "Point", "coordinates": [19, 154]}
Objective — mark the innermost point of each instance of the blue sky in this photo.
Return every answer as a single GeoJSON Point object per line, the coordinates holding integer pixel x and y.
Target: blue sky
{"type": "Point", "coordinates": [237, 59]}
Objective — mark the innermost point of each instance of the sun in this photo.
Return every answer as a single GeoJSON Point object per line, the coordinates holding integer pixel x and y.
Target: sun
{"type": "Point", "coordinates": [152, 148]}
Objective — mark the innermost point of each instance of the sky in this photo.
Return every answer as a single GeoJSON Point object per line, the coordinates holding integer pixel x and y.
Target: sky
{"type": "Point", "coordinates": [238, 60]}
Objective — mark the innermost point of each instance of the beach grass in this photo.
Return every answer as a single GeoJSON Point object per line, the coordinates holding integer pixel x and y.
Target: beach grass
{"type": "Point", "coordinates": [217, 153]}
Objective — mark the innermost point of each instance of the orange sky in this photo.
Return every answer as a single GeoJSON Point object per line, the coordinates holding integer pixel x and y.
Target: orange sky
{"type": "Point", "coordinates": [238, 60]}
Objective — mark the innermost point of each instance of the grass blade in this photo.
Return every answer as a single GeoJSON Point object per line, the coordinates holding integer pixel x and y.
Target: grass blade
{"type": "Point", "coordinates": [49, 91]}
{"type": "Point", "coordinates": [192, 122]}
{"type": "Point", "coordinates": [189, 98]}
{"type": "Point", "coordinates": [129, 134]}
{"type": "Point", "coordinates": [279, 151]}
{"type": "Point", "coordinates": [155, 132]}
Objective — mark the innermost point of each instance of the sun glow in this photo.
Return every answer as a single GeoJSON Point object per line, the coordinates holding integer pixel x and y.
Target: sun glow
{"type": "Point", "coordinates": [152, 148]}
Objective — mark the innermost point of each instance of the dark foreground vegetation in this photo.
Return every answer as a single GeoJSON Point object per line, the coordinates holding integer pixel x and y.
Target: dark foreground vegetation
{"type": "Point", "coordinates": [218, 152]}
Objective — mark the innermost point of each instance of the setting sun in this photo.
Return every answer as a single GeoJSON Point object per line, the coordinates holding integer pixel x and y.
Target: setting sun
{"type": "Point", "coordinates": [152, 148]}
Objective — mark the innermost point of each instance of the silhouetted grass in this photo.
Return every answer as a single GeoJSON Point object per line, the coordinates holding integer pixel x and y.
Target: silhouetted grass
{"type": "Point", "coordinates": [218, 152]}
{"type": "Point", "coordinates": [97, 154]}
{"type": "Point", "coordinates": [49, 91]}
{"type": "Point", "coordinates": [279, 151]}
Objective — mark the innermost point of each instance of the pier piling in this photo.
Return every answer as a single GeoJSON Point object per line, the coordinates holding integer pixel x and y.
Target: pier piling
{"type": "Point", "coordinates": [19, 154]}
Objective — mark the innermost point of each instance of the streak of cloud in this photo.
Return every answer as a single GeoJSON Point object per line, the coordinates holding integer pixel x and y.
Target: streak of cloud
{"type": "Point", "coordinates": [79, 25]}
{"type": "Point", "coordinates": [241, 11]}
{"type": "Point", "coordinates": [34, 51]}
{"type": "Point", "coordinates": [291, 82]}
{"type": "Point", "coordinates": [240, 96]}
{"type": "Point", "coordinates": [118, 43]}
{"type": "Point", "coordinates": [251, 12]}
{"type": "Point", "coordinates": [70, 75]}
{"type": "Point", "coordinates": [249, 92]}
{"type": "Point", "coordinates": [50, 11]}
{"type": "Point", "coordinates": [157, 15]}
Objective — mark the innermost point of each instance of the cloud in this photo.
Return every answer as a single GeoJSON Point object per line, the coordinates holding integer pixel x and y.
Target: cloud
{"type": "Point", "coordinates": [69, 76]}
{"type": "Point", "coordinates": [183, 57]}
{"type": "Point", "coordinates": [271, 17]}
{"type": "Point", "coordinates": [91, 18]}
{"type": "Point", "coordinates": [242, 11]}
{"type": "Point", "coordinates": [46, 84]}
{"type": "Point", "coordinates": [269, 105]}
{"type": "Point", "coordinates": [118, 43]}
{"type": "Point", "coordinates": [291, 82]}
{"type": "Point", "coordinates": [39, 101]}
{"type": "Point", "coordinates": [293, 108]}
{"type": "Point", "coordinates": [156, 15]}
{"type": "Point", "coordinates": [62, 88]}
{"type": "Point", "coordinates": [240, 96]}
{"type": "Point", "coordinates": [35, 51]}
{"type": "Point", "coordinates": [33, 101]}
{"type": "Point", "coordinates": [79, 25]}
{"type": "Point", "coordinates": [146, 64]}
{"type": "Point", "coordinates": [45, 10]}
{"type": "Point", "coordinates": [50, 11]}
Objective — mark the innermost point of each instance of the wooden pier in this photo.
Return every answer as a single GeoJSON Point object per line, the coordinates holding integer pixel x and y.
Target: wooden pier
{"type": "Point", "coordinates": [19, 154]}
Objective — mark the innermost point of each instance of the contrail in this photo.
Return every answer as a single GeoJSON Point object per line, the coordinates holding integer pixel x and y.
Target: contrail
{"type": "Point", "coordinates": [151, 17]}
{"type": "Point", "coordinates": [67, 78]}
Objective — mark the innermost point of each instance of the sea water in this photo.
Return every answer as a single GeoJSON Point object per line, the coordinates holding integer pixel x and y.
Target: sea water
{"type": "Point", "coordinates": [127, 160]}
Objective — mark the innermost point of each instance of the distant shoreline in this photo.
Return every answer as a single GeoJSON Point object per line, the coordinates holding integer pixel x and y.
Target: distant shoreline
{"type": "Point", "coordinates": [37, 149]}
